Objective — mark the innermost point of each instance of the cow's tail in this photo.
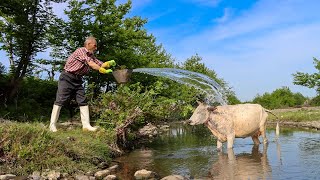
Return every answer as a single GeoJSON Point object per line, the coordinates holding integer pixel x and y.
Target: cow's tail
{"type": "Point", "coordinates": [277, 127]}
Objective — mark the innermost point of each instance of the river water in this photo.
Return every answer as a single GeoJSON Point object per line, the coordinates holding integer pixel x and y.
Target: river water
{"type": "Point", "coordinates": [190, 151]}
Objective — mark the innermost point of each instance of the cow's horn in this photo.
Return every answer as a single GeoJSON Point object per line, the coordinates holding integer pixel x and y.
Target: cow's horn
{"type": "Point", "coordinates": [211, 108]}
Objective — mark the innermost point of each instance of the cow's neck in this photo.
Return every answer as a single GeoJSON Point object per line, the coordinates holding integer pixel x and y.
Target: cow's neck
{"type": "Point", "coordinates": [208, 118]}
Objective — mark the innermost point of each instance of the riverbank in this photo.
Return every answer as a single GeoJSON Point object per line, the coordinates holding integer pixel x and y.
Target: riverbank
{"type": "Point", "coordinates": [28, 148]}
{"type": "Point", "coordinates": [303, 117]}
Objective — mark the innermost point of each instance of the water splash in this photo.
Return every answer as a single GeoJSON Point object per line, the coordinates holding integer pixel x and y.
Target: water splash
{"type": "Point", "coordinates": [214, 92]}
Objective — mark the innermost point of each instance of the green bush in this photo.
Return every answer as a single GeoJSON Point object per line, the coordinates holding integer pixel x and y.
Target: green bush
{"type": "Point", "coordinates": [113, 108]}
{"type": "Point", "coordinates": [33, 102]}
{"type": "Point", "coordinates": [280, 98]}
{"type": "Point", "coordinates": [315, 101]}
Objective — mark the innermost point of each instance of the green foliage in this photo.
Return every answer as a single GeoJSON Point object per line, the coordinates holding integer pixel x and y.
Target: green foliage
{"type": "Point", "coordinates": [315, 101]}
{"type": "Point", "coordinates": [24, 25]}
{"type": "Point", "coordinates": [280, 98]}
{"type": "Point", "coordinates": [121, 38]}
{"type": "Point", "coordinates": [232, 99]}
{"type": "Point", "coordinates": [31, 147]}
{"type": "Point", "coordinates": [34, 102]}
{"type": "Point", "coordinates": [2, 69]}
{"type": "Point", "coordinates": [309, 80]}
{"type": "Point", "coordinates": [114, 108]}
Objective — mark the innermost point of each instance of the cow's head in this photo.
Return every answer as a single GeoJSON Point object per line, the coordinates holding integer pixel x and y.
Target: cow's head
{"type": "Point", "coordinates": [200, 114]}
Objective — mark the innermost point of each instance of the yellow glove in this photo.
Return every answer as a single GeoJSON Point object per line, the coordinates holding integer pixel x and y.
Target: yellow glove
{"type": "Point", "coordinates": [104, 71]}
{"type": "Point", "coordinates": [109, 64]}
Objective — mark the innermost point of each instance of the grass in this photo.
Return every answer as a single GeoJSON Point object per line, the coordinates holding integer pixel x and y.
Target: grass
{"type": "Point", "coordinates": [29, 147]}
{"type": "Point", "coordinates": [296, 115]}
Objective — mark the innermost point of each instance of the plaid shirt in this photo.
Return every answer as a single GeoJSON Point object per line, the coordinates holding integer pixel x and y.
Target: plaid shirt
{"type": "Point", "coordinates": [77, 62]}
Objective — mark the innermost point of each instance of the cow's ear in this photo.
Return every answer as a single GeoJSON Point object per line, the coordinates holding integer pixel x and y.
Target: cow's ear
{"type": "Point", "coordinates": [199, 103]}
{"type": "Point", "coordinates": [211, 108]}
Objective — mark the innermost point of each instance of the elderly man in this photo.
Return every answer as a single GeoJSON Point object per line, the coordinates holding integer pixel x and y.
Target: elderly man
{"type": "Point", "coordinates": [70, 82]}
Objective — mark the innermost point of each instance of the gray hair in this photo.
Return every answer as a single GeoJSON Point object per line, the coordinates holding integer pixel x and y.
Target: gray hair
{"type": "Point", "coordinates": [89, 39]}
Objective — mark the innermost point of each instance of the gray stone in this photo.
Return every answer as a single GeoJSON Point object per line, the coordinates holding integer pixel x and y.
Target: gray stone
{"type": "Point", "coordinates": [102, 174]}
{"type": "Point", "coordinates": [81, 177]}
{"type": "Point", "coordinates": [53, 175]}
{"type": "Point", "coordinates": [174, 177]}
{"type": "Point", "coordinates": [113, 168]}
{"type": "Point", "coordinates": [110, 177]}
{"type": "Point", "coordinates": [7, 176]}
{"type": "Point", "coordinates": [145, 174]}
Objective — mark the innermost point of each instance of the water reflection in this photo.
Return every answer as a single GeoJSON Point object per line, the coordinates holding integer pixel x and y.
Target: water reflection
{"type": "Point", "coordinates": [254, 165]}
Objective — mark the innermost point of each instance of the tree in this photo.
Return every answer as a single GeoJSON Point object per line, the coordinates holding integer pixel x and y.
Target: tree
{"type": "Point", "coordinates": [309, 80]}
{"type": "Point", "coordinates": [23, 24]}
{"type": "Point", "coordinates": [280, 98]}
{"type": "Point", "coordinates": [121, 38]}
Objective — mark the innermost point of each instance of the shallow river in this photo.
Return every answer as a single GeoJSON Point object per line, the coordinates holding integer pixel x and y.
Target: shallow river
{"type": "Point", "coordinates": [191, 152]}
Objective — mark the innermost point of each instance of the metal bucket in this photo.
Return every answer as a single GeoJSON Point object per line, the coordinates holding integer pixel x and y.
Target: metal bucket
{"type": "Point", "coordinates": [122, 75]}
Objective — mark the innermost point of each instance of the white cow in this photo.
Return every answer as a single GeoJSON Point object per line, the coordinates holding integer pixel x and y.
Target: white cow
{"type": "Point", "coordinates": [233, 121]}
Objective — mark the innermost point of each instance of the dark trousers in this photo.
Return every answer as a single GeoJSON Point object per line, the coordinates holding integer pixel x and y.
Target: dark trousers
{"type": "Point", "coordinates": [70, 85]}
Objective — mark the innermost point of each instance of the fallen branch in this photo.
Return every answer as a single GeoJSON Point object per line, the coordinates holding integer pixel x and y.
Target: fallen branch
{"type": "Point", "coordinates": [122, 130]}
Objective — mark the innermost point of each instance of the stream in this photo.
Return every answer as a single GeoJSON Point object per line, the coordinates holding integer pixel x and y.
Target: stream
{"type": "Point", "coordinates": [190, 151]}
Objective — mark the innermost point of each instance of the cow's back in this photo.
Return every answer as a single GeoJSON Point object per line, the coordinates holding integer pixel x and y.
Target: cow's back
{"type": "Point", "coordinates": [247, 118]}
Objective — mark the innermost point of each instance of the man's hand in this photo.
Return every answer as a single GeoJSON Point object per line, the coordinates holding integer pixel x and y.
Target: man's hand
{"type": "Point", "coordinates": [105, 71]}
{"type": "Point", "coordinates": [109, 64]}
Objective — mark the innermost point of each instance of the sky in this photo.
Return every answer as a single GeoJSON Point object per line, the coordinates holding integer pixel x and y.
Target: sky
{"type": "Point", "coordinates": [254, 45]}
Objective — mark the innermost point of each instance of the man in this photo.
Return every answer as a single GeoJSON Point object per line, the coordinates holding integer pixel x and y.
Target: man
{"type": "Point", "coordinates": [70, 82]}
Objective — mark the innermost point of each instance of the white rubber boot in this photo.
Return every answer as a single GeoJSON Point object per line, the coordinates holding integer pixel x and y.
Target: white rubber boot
{"type": "Point", "coordinates": [85, 119]}
{"type": "Point", "coordinates": [54, 118]}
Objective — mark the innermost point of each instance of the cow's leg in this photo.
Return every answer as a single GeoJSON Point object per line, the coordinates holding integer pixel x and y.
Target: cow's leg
{"type": "Point", "coordinates": [255, 138]}
{"type": "Point", "coordinates": [219, 145]}
{"type": "Point", "coordinates": [231, 155]}
{"type": "Point", "coordinates": [230, 139]}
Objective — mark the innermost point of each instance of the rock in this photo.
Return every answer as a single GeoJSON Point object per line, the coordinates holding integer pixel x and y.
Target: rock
{"type": "Point", "coordinates": [81, 177]}
{"type": "Point", "coordinates": [36, 175]}
{"type": "Point", "coordinates": [174, 177]}
{"type": "Point", "coordinates": [53, 175]}
{"type": "Point", "coordinates": [145, 174]}
{"type": "Point", "coordinates": [7, 176]}
{"type": "Point", "coordinates": [102, 174]}
{"type": "Point", "coordinates": [110, 177]}
{"type": "Point", "coordinates": [113, 168]}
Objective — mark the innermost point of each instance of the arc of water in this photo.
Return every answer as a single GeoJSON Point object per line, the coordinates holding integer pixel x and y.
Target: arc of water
{"type": "Point", "coordinates": [186, 77]}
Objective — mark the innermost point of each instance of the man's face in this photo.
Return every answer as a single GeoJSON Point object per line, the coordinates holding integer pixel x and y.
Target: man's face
{"type": "Point", "coordinates": [92, 46]}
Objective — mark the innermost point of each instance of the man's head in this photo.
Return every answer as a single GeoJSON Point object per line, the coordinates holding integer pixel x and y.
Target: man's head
{"type": "Point", "coordinates": [91, 44]}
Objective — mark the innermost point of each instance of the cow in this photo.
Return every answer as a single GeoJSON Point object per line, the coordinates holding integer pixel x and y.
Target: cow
{"type": "Point", "coordinates": [228, 122]}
